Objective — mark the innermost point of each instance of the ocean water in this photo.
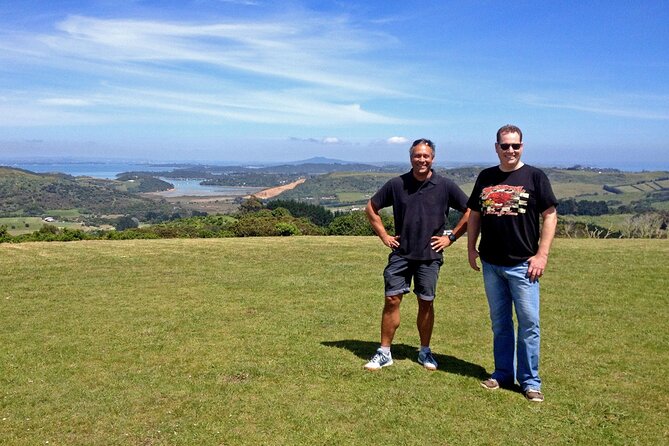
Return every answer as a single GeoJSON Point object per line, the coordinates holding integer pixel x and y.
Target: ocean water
{"type": "Point", "coordinates": [111, 170]}
{"type": "Point", "coordinates": [195, 189]}
{"type": "Point", "coordinates": [95, 170]}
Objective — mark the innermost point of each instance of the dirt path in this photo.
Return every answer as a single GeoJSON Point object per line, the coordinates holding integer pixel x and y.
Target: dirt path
{"type": "Point", "coordinates": [274, 191]}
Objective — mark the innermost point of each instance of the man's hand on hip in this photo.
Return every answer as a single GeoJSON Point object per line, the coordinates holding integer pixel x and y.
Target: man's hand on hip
{"type": "Point", "coordinates": [391, 241]}
{"type": "Point", "coordinates": [438, 243]}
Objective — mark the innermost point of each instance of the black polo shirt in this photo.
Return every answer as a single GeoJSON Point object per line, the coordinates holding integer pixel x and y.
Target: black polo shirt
{"type": "Point", "coordinates": [420, 209]}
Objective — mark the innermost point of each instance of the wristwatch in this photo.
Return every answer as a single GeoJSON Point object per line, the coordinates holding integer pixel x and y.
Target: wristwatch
{"type": "Point", "coordinates": [452, 237]}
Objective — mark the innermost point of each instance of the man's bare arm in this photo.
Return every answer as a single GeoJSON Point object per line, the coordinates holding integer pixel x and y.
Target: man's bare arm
{"type": "Point", "coordinates": [377, 225]}
{"type": "Point", "coordinates": [473, 232]}
{"type": "Point", "coordinates": [537, 263]}
{"type": "Point", "coordinates": [441, 242]}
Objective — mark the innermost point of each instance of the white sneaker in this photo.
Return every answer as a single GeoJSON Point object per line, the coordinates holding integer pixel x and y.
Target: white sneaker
{"type": "Point", "coordinates": [379, 360]}
{"type": "Point", "coordinates": [427, 360]}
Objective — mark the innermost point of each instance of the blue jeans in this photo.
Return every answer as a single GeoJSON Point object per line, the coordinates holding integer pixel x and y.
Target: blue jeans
{"type": "Point", "coordinates": [507, 286]}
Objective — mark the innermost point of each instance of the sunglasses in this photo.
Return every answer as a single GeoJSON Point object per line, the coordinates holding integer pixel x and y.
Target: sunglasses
{"type": "Point", "coordinates": [506, 146]}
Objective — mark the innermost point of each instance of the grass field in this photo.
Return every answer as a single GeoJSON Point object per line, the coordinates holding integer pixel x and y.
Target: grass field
{"type": "Point", "coordinates": [262, 341]}
{"type": "Point", "coordinates": [565, 190]}
{"type": "Point", "coordinates": [21, 225]}
{"type": "Point", "coordinates": [27, 225]}
{"type": "Point", "coordinates": [614, 222]}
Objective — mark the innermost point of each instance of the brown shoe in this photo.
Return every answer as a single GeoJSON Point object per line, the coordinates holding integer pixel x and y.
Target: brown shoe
{"type": "Point", "coordinates": [490, 384]}
{"type": "Point", "coordinates": [534, 395]}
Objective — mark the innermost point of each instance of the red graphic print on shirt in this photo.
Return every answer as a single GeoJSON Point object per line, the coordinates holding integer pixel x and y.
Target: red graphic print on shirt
{"type": "Point", "coordinates": [504, 200]}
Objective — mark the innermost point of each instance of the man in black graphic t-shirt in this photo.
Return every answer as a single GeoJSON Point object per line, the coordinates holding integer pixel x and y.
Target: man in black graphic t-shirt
{"type": "Point", "coordinates": [506, 204]}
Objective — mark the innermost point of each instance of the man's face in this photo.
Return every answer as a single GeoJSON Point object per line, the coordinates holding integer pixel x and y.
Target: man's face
{"type": "Point", "coordinates": [509, 159]}
{"type": "Point", "coordinates": [421, 159]}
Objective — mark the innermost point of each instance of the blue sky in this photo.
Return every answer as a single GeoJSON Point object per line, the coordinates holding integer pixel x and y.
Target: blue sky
{"type": "Point", "coordinates": [256, 80]}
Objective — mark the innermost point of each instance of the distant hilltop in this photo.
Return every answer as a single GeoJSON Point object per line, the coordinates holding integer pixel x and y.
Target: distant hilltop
{"type": "Point", "coordinates": [317, 160]}
{"type": "Point", "coordinates": [94, 167]}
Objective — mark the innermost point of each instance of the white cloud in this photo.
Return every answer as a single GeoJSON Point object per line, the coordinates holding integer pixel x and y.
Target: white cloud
{"type": "Point", "coordinates": [397, 140]}
{"type": "Point", "coordinates": [331, 140]}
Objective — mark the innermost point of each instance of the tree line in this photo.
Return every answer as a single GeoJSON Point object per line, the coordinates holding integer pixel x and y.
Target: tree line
{"type": "Point", "coordinates": [290, 218]}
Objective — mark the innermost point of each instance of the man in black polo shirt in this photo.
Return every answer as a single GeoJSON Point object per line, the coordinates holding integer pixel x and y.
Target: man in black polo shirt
{"type": "Point", "coordinates": [420, 200]}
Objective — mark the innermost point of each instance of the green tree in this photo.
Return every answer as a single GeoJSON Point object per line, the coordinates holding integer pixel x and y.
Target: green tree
{"type": "Point", "coordinates": [252, 204]}
{"type": "Point", "coordinates": [318, 215]}
{"type": "Point", "coordinates": [285, 229]}
{"type": "Point", "coordinates": [4, 234]}
{"type": "Point", "coordinates": [126, 222]}
{"type": "Point", "coordinates": [356, 223]}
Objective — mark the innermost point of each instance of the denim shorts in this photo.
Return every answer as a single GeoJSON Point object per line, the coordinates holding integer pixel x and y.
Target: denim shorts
{"type": "Point", "coordinates": [400, 271]}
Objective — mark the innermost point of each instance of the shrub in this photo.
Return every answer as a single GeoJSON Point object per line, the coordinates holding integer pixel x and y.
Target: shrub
{"type": "Point", "coordinates": [356, 223]}
{"type": "Point", "coordinates": [316, 214]}
{"type": "Point", "coordinates": [286, 229]}
{"type": "Point", "coordinates": [4, 234]}
{"type": "Point", "coordinates": [126, 222]}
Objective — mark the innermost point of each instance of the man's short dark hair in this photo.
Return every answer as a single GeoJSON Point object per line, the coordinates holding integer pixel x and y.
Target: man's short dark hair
{"type": "Point", "coordinates": [420, 141]}
{"type": "Point", "coordinates": [509, 128]}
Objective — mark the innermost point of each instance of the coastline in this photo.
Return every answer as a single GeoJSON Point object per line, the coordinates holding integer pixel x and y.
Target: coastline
{"type": "Point", "coordinates": [263, 194]}
{"type": "Point", "coordinates": [274, 191]}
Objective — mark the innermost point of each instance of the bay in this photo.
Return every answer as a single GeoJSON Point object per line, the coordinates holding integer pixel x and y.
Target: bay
{"type": "Point", "coordinates": [109, 171]}
{"type": "Point", "coordinates": [192, 187]}
{"type": "Point", "coordinates": [96, 170]}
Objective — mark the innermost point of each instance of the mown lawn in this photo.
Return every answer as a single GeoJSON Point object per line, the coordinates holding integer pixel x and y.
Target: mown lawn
{"type": "Point", "coordinates": [262, 341]}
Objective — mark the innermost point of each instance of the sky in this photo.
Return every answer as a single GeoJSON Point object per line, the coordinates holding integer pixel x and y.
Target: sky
{"type": "Point", "coordinates": [247, 81]}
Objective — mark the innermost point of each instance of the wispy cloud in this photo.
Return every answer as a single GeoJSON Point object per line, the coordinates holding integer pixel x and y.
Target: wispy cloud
{"type": "Point", "coordinates": [328, 140]}
{"type": "Point", "coordinates": [241, 2]}
{"type": "Point", "coordinates": [309, 72]}
{"type": "Point", "coordinates": [644, 107]}
{"type": "Point", "coordinates": [68, 102]}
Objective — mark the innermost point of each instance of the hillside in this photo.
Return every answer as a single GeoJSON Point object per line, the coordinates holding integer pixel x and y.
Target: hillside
{"type": "Point", "coordinates": [593, 197]}
{"type": "Point", "coordinates": [26, 193]}
{"type": "Point", "coordinates": [354, 188]}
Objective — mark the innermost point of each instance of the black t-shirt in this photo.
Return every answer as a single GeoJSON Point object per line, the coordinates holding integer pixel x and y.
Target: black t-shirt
{"type": "Point", "coordinates": [420, 209]}
{"type": "Point", "coordinates": [510, 204]}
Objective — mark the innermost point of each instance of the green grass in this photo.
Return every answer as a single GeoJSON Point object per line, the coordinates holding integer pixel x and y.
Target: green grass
{"type": "Point", "coordinates": [262, 341]}
{"type": "Point", "coordinates": [352, 197]}
{"type": "Point", "coordinates": [21, 225]}
{"type": "Point", "coordinates": [662, 206]}
{"type": "Point", "coordinates": [27, 225]}
{"type": "Point", "coordinates": [647, 186]}
{"type": "Point", "coordinates": [566, 190]}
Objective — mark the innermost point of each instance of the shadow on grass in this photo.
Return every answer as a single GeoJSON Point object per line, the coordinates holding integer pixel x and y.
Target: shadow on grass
{"type": "Point", "coordinates": [449, 364]}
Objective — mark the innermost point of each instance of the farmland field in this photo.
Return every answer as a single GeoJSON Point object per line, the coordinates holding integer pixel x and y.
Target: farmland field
{"type": "Point", "coordinates": [262, 341]}
{"type": "Point", "coordinates": [26, 225]}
